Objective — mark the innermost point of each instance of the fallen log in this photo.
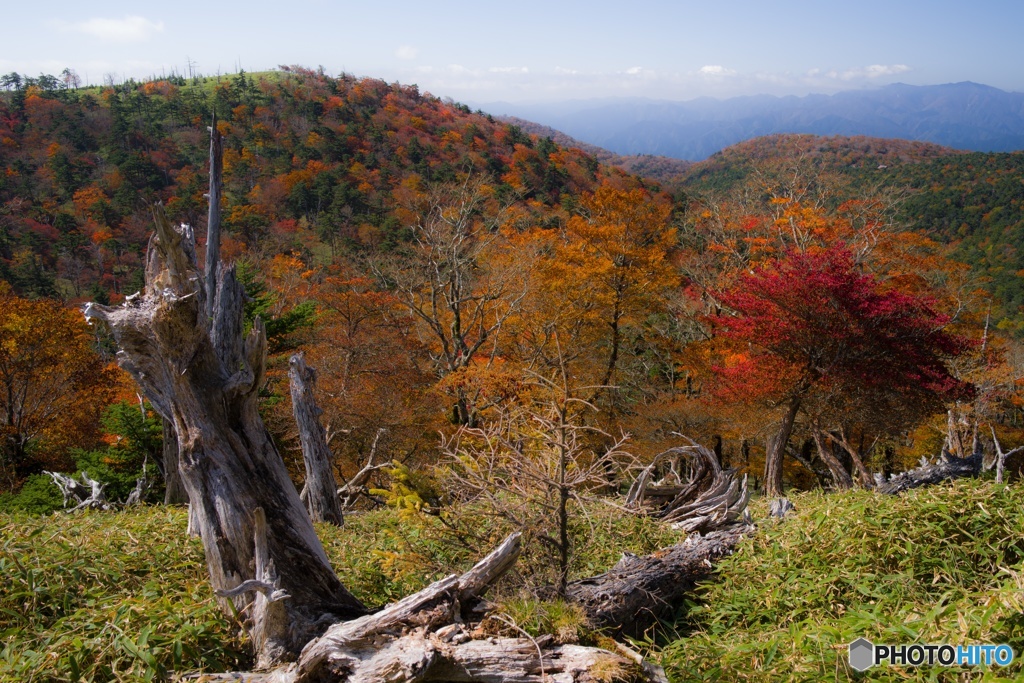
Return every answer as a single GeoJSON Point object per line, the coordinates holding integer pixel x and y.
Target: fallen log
{"type": "Point", "coordinates": [638, 591]}
{"type": "Point", "coordinates": [946, 467]}
{"type": "Point", "coordinates": [423, 638]}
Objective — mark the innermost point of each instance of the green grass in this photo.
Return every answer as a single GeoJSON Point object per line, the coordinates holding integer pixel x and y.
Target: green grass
{"type": "Point", "coordinates": [124, 596]}
{"type": "Point", "coordinates": [108, 597]}
{"type": "Point", "coordinates": [936, 565]}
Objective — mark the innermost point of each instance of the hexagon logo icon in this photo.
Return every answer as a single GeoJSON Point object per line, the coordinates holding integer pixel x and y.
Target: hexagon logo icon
{"type": "Point", "coordinates": [862, 654]}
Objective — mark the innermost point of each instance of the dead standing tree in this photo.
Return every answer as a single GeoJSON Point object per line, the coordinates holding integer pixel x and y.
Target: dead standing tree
{"type": "Point", "coordinates": [200, 372]}
{"type": "Point", "coordinates": [320, 492]}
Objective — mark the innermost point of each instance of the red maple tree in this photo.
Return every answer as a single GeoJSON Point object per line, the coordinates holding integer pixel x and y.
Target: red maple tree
{"type": "Point", "coordinates": [811, 329]}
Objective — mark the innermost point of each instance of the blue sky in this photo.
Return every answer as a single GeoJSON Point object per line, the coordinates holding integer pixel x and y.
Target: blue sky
{"type": "Point", "coordinates": [537, 51]}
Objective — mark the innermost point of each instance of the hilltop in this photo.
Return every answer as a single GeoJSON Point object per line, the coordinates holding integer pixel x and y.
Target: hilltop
{"type": "Point", "coordinates": [310, 161]}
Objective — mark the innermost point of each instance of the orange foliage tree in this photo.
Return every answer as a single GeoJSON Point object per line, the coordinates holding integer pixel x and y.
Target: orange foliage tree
{"type": "Point", "coordinates": [53, 385]}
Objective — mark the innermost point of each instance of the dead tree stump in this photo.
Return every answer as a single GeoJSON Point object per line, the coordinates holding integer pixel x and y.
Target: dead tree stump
{"type": "Point", "coordinates": [200, 372]}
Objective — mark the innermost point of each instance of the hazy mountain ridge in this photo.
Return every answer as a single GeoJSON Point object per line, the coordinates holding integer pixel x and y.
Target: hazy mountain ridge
{"type": "Point", "coordinates": [965, 116]}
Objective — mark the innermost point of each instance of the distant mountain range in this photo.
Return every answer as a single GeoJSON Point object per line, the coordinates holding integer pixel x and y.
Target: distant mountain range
{"type": "Point", "coordinates": [965, 116]}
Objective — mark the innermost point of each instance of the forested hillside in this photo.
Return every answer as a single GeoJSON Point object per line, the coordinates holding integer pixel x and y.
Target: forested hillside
{"type": "Point", "coordinates": [491, 340]}
{"type": "Point", "coordinates": [443, 270]}
{"type": "Point", "coordinates": [970, 201]}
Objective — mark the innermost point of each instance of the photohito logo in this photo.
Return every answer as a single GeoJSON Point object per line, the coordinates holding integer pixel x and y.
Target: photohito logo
{"type": "Point", "coordinates": [864, 654]}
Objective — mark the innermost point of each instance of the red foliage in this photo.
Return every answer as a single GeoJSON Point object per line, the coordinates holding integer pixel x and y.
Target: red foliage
{"type": "Point", "coordinates": [811, 322]}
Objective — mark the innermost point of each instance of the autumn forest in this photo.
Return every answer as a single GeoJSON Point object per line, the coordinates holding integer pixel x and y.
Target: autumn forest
{"type": "Point", "coordinates": [811, 313]}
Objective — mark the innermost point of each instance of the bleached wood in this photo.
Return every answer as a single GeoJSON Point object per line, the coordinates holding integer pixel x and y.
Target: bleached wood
{"type": "Point", "coordinates": [947, 466]}
{"type": "Point", "coordinates": [84, 494]}
{"type": "Point", "coordinates": [205, 375]}
{"type": "Point", "coordinates": [711, 497]}
{"type": "Point", "coordinates": [320, 492]}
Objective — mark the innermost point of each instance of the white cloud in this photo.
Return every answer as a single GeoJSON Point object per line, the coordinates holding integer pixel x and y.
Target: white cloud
{"type": "Point", "coordinates": [876, 70]}
{"type": "Point", "coordinates": [869, 72]}
{"type": "Point", "coordinates": [633, 71]}
{"type": "Point", "coordinates": [406, 52]}
{"type": "Point", "coordinates": [716, 70]}
{"type": "Point", "coordinates": [509, 70]}
{"type": "Point", "coordinates": [567, 72]}
{"type": "Point", "coordinates": [131, 29]}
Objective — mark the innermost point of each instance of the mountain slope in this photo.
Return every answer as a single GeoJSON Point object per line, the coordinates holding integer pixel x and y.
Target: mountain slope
{"type": "Point", "coordinates": [309, 161]}
{"type": "Point", "coordinates": [971, 201]}
{"type": "Point", "coordinates": [664, 170]}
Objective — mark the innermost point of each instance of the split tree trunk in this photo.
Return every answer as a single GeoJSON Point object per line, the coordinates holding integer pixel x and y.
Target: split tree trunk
{"type": "Point", "coordinates": [199, 371]}
{"type": "Point", "coordinates": [841, 479]}
{"type": "Point", "coordinates": [320, 491]}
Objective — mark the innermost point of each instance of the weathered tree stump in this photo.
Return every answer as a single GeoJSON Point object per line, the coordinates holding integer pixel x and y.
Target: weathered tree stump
{"type": "Point", "coordinates": [199, 371]}
{"type": "Point", "coordinates": [710, 497]}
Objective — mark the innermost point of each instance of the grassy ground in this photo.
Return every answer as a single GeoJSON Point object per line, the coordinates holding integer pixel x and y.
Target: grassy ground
{"type": "Point", "coordinates": [123, 596]}
{"type": "Point", "coordinates": [936, 565]}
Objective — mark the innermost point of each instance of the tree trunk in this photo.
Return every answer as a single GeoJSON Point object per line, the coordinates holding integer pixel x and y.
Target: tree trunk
{"type": "Point", "coordinates": [213, 218]}
{"type": "Point", "coordinates": [174, 491]}
{"type": "Point", "coordinates": [867, 481]}
{"type": "Point", "coordinates": [776, 451]}
{"type": "Point", "coordinates": [321, 491]}
{"type": "Point", "coordinates": [199, 371]}
{"type": "Point", "coordinates": [840, 477]}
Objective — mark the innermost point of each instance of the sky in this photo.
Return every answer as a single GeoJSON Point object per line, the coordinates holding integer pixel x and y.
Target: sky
{"type": "Point", "coordinates": [536, 51]}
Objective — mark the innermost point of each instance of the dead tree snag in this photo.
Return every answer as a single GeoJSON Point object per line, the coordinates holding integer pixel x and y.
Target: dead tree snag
{"type": "Point", "coordinates": [200, 372]}
{"type": "Point", "coordinates": [320, 492]}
